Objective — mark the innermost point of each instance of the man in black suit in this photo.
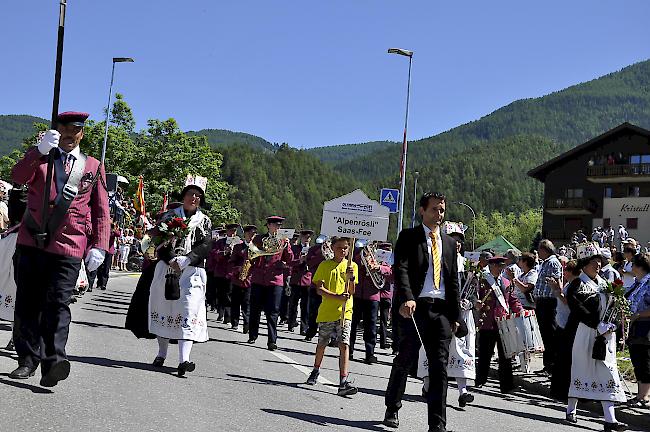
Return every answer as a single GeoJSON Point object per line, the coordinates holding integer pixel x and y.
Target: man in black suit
{"type": "Point", "coordinates": [426, 288]}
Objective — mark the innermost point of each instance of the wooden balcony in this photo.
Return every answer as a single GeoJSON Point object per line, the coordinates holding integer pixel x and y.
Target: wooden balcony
{"type": "Point", "coordinates": [619, 173]}
{"type": "Point", "coordinates": [570, 206]}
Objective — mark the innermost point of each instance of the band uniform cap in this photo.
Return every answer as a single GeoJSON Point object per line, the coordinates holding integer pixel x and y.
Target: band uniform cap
{"type": "Point", "coordinates": [75, 118]}
{"type": "Point", "coordinates": [588, 250]}
{"type": "Point", "coordinates": [497, 260]}
{"type": "Point", "coordinates": [274, 219]}
{"type": "Point", "coordinates": [307, 232]}
{"type": "Point", "coordinates": [232, 226]}
{"type": "Point", "coordinates": [248, 228]}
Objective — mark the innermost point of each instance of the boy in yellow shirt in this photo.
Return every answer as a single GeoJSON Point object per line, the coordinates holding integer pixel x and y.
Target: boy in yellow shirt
{"type": "Point", "coordinates": [335, 280]}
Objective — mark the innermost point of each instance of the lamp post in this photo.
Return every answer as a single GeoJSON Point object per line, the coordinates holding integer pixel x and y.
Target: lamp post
{"type": "Point", "coordinates": [110, 94]}
{"type": "Point", "coordinates": [415, 198]}
{"type": "Point", "coordinates": [473, 221]}
{"type": "Point", "coordinates": [402, 171]}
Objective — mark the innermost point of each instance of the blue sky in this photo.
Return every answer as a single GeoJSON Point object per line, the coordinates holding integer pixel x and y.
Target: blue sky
{"type": "Point", "coordinates": [313, 73]}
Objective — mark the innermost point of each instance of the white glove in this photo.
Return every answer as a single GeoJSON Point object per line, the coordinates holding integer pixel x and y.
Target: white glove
{"type": "Point", "coordinates": [49, 141]}
{"type": "Point", "coordinates": [604, 327]}
{"type": "Point", "coordinates": [182, 261]}
{"type": "Point", "coordinates": [465, 305]}
{"type": "Point", "coordinates": [94, 259]}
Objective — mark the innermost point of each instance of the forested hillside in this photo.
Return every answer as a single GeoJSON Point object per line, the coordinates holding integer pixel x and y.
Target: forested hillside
{"type": "Point", "coordinates": [224, 138]}
{"type": "Point", "coordinates": [14, 128]}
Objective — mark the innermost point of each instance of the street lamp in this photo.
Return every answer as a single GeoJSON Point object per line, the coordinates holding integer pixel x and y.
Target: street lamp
{"type": "Point", "coordinates": [415, 198]}
{"type": "Point", "coordinates": [110, 94]}
{"type": "Point", "coordinates": [473, 221]}
{"type": "Point", "coordinates": [402, 171]}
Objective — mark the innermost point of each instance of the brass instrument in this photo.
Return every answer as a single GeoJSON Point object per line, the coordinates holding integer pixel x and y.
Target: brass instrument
{"type": "Point", "coordinates": [368, 258]}
{"type": "Point", "coordinates": [271, 245]}
{"type": "Point", "coordinates": [484, 308]}
{"type": "Point", "coordinates": [230, 244]}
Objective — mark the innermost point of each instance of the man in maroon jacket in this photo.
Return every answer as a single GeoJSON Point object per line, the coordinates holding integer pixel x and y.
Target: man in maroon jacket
{"type": "Point", "coordinates": [221, 256]}
{"type": "Point", "coordinates": [49, 263]}
{"type": "Point", "coordinates": [267, 283]}
{"type": "Point", "coordinates": [300, 282]}
{"type": "Point", "coordinates": [241, 289]}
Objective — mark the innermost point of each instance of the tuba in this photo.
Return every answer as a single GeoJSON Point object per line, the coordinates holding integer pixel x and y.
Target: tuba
{"type": "Point", "coordinates": [368, 257]}
{"type": "Point", "coordinates": [271, 245]}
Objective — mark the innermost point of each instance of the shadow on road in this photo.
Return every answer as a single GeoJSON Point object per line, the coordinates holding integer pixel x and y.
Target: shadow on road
{"type": "Point", "coordinates": [99, 361]}
{"type": "Point", "coordinates": [98, 325]}
{"type": "Point", "coordinates": [524, 414]}
{"type": "Point", "coordinates": [327, 421]}
{"type": "Point", "coordinates": [25, 386]}
{"type": "Point", "coordinates": [103, 311]}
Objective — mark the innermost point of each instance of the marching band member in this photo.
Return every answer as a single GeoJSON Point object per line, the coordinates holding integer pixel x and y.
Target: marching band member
{"type": "Point", "coordinates": [592, 379]}
{"type": "Point", "coordinates": [267, 282]}
{"type": "Point", "coordinates": [462, 356]}
{"type": "Point", "coordinates": [497, 301]}
{"type": "Point", "coordinates": [427, 292]}
{"type": "Point", "coordinates": [385, 302]}
{"type": "Point", "coordinates": [300, 282]}
{"type": "Point", "coordinates": [241, 292]}
{"type": "Point", "coordinates": [366, 304]}
{"type": "Point", "coordinates": [313, 259]}
{"type": "Point", "coordinates": [335, 281]}
{"type": "Point", "coordinates": [221, 255]}
{"type": "Point", "coordinates": [42, 315]}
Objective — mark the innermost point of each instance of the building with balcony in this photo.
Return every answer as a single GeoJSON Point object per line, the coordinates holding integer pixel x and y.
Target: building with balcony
{"type": "Point", "coordinates": [603, 182]}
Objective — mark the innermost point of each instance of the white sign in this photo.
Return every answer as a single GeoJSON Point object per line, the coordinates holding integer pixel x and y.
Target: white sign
{"type": "Point", "coordinates": [355, 215]}
{"type": "Point", "coordinates": [286, 233]}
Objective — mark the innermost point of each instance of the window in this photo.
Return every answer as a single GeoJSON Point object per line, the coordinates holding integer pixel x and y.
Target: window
{"type": "Point", "coordinates": [640, 159]}
{"type": "Point", "coordinates": [632, 223]}
{"type": "Point", "coordinates": [608, 192]}
{"type": "Point", "coordinates": [574, 193]}
{"type": "Point", "coordinates": [633, 191]}
{"type": "Point", "coordinates": [607, 222]}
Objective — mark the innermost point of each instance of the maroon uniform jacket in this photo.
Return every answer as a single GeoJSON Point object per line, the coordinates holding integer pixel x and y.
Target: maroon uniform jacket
{"type": "Point", "coordinates": [237, 259]}
{"type": "Point", "coordinates": [301, 273]}
{"type": "Point", "coordinates": [219, 260]}
{"type": "Point", "coordinates": [367, 290]}
{"type": "Point", "coordinates": [75, 234]}
{"type": "Point", "coordinates": [496, 309]}
{"type": "Point", "coordinates": [270, 270]}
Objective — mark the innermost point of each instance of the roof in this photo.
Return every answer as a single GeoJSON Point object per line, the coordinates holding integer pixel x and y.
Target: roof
{"type": "Point", "coordinates": [541, 171]}
{"type": "Point", "coordinates": [499, 244]}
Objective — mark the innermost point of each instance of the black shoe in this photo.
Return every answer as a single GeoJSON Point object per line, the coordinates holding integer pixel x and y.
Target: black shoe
{"type": "Point", "coordinates": [233, 326]}
{"type": "Point", "coordinates": [384, 346]}
{"type": "Point", "coordinates": [291, 329]}
{"type": "Point", "coordinates": [251, 340]}
{"type": "Point", "coordinates": [347, 389]}
{"type": "Point", "coordinates": [308, 338]}
{"type": "Point", "coordinates": [571, 418]}
{"type": "Point", "coordinates": [464, 399]}
{"type": "Point", "coordinates": [102, 288]}
{"type": "Point", "coordinates": [282, 322]}
{"type": "Point", "coordinates": [245, 329]}
{"type": "Point", "coordinates": [58, 372]}
{"type": "Point", "coordinates": [272, 346]}
{"type": "Point", "coordinates": [89, 290]}
{"type": "Point", "coordinates": [313, 377]}
{"type": "Point", "coordinates": [615, 426]}
{"type": "Point", "coordinates": [391, 419]}
{"type": "Point", "coordinates": [302, 333]}
{"type": "Point", "coordinates": [158, 361]}
{"type": "Point", "coordinates": [371, 359]}
{"type": "Point", "coordinates": [351, 356]}
{"type": "Point", "coordinates": [73, 299]}
{"type": "Point", "coordinates": [22, 372]}
{"type": "Point", "coordinates": [186, 366]}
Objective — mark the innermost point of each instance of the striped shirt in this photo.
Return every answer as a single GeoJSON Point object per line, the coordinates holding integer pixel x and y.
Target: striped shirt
{"type": "Point", "coordinates": [551, 267]}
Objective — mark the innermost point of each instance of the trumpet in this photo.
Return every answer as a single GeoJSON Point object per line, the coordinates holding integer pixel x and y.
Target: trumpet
{"type": "Point", "coordinates": [368, 259]}
{"type": "Point", "coordinates": [271, 245]}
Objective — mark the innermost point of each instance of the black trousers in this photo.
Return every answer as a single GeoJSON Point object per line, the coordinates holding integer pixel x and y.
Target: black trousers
{"type": "Point", "coordinates": [546, 310]}
{"type": "Point", "coordinates": [299, 295]}
{"type": "Point", "coordinates": [223, 298]}
{"type": "Point", "coordinates": [436, 335]}
{"type": "Point", "coordinates": [314, 303]}
{"type": "Point", "coordinates": [265, 298]}
{"type": "Point", "coordinates": [104, 271]}
{"type": "Point", "coordinates": [240, 304]}
{"type": "Point", "coordinates": [91, 275]}
{"type": "Point", "coordinates": [211, 290]}
{"type": "Point", "coordinates": [42, 317]}
{"type": "Point", "coordinates": [284, 305]}
{"type": "Point", "coordinates": [365, 310]}
{"type": "Point", "coordinates": [384, 313]}
{"type": "Point", "coordinates": [487, 340]}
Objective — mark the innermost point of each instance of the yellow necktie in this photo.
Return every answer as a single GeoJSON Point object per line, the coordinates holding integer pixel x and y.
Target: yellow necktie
{"type": "Point", "coordinates": [435, 253]}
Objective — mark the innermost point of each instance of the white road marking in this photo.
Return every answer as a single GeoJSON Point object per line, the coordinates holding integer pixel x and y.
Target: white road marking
{"type": "Point", "coordinates": [300, 367]}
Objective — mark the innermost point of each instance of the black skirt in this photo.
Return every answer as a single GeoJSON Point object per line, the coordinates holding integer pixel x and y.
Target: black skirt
{"type": "Point", "coordinates": [137, 318]}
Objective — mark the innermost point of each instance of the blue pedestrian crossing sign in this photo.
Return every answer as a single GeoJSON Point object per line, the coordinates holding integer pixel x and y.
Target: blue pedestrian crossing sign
{"type": "Point", "coordinates": [389, 198]}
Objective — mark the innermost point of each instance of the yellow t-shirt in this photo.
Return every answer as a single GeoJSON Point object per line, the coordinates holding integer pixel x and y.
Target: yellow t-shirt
{"type": "Point", "coordinates": [333, 276]}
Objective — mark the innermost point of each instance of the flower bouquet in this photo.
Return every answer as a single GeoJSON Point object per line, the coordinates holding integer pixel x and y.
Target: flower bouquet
{"type": "Point", "coordinates": [618, 307]}
{"type": "Point", "coordinates": [165, 232]}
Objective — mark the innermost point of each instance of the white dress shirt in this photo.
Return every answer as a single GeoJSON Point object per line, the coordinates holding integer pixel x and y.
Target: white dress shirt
{"type": "Point", "coordinates": [429, 290]}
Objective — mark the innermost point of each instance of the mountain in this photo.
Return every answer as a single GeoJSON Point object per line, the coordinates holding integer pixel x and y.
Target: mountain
{"type": "Point", "coordinates": [14, 128]}
{"type": "Point", "coordinates": [345, 152]}
{"type": "Point", "coordinates": [225, 138]}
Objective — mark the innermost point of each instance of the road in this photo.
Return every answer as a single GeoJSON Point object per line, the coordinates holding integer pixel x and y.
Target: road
{"type": "Point", "coordinates": [236, 386]}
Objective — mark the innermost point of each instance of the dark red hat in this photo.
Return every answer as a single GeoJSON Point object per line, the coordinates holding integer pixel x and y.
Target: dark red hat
{"type": "Point", "coordinates": [72, 117]}
{"type": "Point", "coordinates": [307, 232]}
{"type": "Point", "coordinates": [248, 228]}
{"type": "Point", "coordinates": [274, 219]}
{"type": "Point", "coordinates": [497, 260]}
{"type": "Point", "coordinates": [232, 226]}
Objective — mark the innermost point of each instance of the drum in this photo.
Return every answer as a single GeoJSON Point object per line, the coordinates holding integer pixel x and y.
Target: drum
{"type": "Point", "coordinates": [520, 333]}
